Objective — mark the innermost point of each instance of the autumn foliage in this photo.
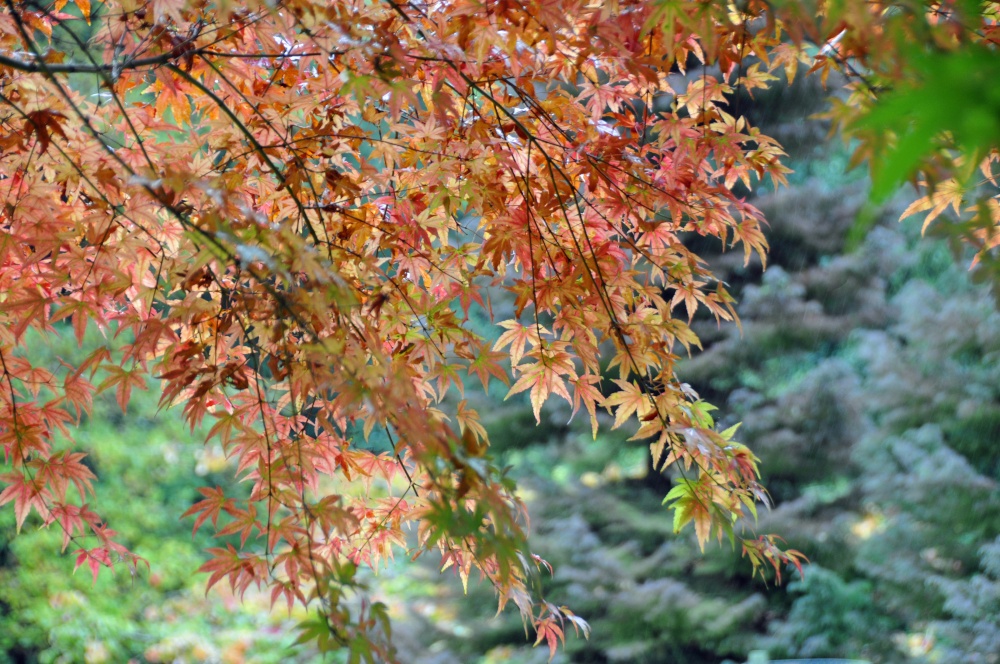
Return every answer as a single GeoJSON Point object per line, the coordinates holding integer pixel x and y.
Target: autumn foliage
{"type": "Point", "coordinates": [286, 212]}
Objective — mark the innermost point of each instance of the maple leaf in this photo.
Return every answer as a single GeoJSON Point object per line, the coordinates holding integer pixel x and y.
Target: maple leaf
{"type": "Point", "coordinates": [551, 633]}
{"type": "Point", "coordinates": [241, 570]}
{"type": "Point", "coordinates": [94, 558]}
{"type": "Point", "coordinates": [244, 522]}
{"type": "Point", "coordinates": [41, 123]}
{"type": "Point", "coordinates": [210, 507]}
{"type": "Point", "coordinates": [517, 337]}
{"type": "Point", "coordinates": [123, 380]}
{"type": "Point", "coordinates": [78, 392]}
{"type": "Point", "coordinates": [62, 468]}
{"type": "Point", "coordinates": [31, 309]}
{"type": "Point", "coordinates": [25, 493]}
{"type": "Point", "coordinates": [227, 423]}
{"type": "Point", "coordinates": [585, 391]}
{"type": "Point", "coordinates": [84, 6]}
{"type": "Point", "coordinates": [487, 364]}
{"type": "Point", "coordinates": [627, 402]}
{"type": "Point", "coordinates": [543, 378]}
{"type": "Point", "coordinates": [468, 419]}
{"type": "Point", "coordinates": [72, 520]}
{"type": "Point", "coordinates": [171, 96]}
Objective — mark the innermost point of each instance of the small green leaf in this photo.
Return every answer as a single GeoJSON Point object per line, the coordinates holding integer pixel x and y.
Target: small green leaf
{"type": "Point", "coordinates": [678, 492]}
{"type": "Point", "coordinates": [749, 502]}
{"type": "Point", "coordinates": [731, 431]}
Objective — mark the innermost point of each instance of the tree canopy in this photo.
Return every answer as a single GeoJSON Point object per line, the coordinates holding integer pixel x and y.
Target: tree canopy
{"type": "Point", "coordinates": [288, 213]}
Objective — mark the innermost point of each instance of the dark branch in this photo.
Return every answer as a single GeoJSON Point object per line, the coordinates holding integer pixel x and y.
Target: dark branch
{"type": "Point", "coordinates": [41, 67]}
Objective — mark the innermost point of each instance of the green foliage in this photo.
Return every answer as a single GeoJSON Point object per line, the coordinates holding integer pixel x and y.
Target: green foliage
{"type": "Point", "coordinates": [830, 617]}
{"type": "Point", "coordinates": [971, 632]}
{"type": "Point", "coordinates": [951, 92]}
{"type": "Point", "coordinates": [975, 437]}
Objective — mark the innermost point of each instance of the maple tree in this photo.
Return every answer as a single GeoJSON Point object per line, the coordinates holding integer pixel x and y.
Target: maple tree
{"type": "Point", "coordinates": [286, 212]}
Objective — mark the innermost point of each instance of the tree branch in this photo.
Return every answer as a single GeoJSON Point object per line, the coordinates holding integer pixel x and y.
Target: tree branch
{"type": "Point", "coordinates": [41, 67]}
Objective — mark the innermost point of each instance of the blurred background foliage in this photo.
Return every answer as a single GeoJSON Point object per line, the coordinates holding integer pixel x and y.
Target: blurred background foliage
{"type": "Point", "coordinates": [867, 380]}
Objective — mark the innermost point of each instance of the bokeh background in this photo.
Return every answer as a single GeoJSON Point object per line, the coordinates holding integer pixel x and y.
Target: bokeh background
{"type": "Point", "coordinates": [867, 380]}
